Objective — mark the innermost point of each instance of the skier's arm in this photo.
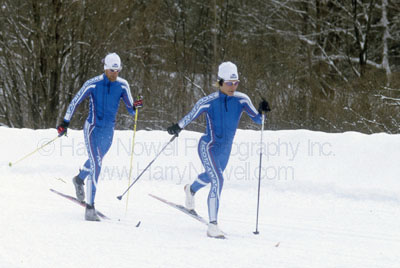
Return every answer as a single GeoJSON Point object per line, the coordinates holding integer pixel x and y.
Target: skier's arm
{"type": "Point", "coordinates": [250, 109]}
{"type": "Point", "coordinates": [200, 107]}
{"type": "Point", "coordinates": [127, 98]}
{"type": "Point", "coordinates": [79, 97]}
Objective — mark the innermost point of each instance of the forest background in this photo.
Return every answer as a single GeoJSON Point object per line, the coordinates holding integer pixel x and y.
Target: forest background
{"type": "Point", "coordinates": [325, 65]}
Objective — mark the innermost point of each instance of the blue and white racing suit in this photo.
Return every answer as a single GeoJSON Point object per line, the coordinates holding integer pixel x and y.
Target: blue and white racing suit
{"type": "Point", "coordinates": [104, 98]}
{"type": "Point", "coordinates": [222, 113]}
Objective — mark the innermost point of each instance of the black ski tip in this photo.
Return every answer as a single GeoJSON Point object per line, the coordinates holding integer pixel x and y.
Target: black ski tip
{"type": "Point", "coordinates": [256, 232]}
{"type": "Point", "coordinates": [138, 224]}
{"type": "Point", "coordinates": [119, 197]}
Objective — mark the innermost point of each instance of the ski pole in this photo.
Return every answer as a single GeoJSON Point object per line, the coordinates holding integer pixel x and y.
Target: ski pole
{"type": "Point", "coordinates": [133, 147]}
{"type": "Point", "coordinates": [26, 156]}
{"type": "Point", "coordinates": [130, 186]}
{"type": "Point", "coordinates": [256, 232]}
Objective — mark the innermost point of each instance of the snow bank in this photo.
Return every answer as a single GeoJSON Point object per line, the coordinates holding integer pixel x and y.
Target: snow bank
{"type": "Point", "coordinates": [327, 200]}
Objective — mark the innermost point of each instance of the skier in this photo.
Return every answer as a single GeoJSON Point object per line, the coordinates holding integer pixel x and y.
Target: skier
{"type": "Point", "coordinates": [223, 110]}
{"type": "Point", "coordinates": [104, 92]}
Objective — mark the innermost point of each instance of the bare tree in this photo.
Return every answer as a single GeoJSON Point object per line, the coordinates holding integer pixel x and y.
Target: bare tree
{"type": "Point", "coordinates": [325, 64]}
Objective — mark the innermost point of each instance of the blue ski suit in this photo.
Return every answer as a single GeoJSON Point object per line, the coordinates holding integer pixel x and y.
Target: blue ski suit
{"type": "Point", "coordinates": [222, 113]}
{"type": "Point", "coordinates": [104, 98]}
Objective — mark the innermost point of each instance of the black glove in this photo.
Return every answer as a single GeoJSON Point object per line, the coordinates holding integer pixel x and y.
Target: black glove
{"type": "Point", "coordinates": [138, 103]}
{"type": "Point", "coordinates": [62, 128]}
{"type": "Point", "coordinates": [263, 106]}
{"type": "Point", "coordinates": [174, 129]}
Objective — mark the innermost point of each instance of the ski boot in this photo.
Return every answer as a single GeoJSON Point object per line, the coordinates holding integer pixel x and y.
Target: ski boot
{"type": "Point", "coordinates": [90, 213]}
{"type": "Point", "coordinates": [80, 192]}
{"type": "Point", "coordinates": [214, 232]}
{"type": "Point", "coordinates": [189, 200]}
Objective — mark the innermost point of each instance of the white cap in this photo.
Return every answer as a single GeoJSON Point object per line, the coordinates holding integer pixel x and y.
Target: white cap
{"type": "Point", "coordinates": [112, 61]}
{"type": "Point", "coordinates": [227, 71]}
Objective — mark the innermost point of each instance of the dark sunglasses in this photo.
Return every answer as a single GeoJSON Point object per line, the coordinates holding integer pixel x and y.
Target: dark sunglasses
{"type": "Point", "coordinates": [116, 70]}
{"type": "Point", "coordinates": [232, 83]}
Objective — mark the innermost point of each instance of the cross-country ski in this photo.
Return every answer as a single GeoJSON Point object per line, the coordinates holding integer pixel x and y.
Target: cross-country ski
{"type": "Point", "coordinates": [81, 203]}
{"type": "Point", "coordinates": [191, 213]}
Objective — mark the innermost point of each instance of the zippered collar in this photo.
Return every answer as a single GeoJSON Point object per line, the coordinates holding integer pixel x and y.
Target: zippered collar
{"type": "Point", "coordinates": [106, 78]}
{"type": "Point", "coordinates": [224, 98]}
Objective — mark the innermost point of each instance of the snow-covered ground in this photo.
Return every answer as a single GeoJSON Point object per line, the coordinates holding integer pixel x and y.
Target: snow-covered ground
{"type": "Point", "coordinates": [327, 200]}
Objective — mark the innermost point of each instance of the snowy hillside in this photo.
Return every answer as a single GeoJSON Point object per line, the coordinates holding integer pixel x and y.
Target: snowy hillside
{"type": "Point", "coordinates": [327, 200]}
